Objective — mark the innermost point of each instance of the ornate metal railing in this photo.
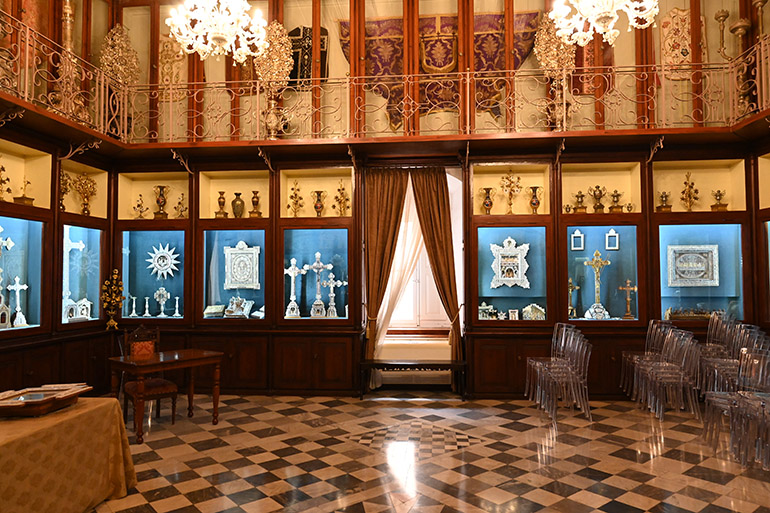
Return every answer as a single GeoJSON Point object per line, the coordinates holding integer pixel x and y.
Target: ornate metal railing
{"type": "Point", "coordinates": [37, 70]}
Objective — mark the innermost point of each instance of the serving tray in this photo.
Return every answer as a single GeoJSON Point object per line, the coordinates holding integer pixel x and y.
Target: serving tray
{"type": "Point", "coordinates": [33, 402]}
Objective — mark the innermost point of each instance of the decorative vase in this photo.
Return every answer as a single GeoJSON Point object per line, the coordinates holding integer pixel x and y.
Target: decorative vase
{"type": "Point", "coordinates": [221, 214]}
{"type": "Point", "coordinates": [160, 200]}
{"type": "Point", "coordinates": [273, 119]}
{"type": "Point", "coordinates": [254, 212]}
{"type": "Point", "coordinates": [534, 201]}
{"type": "Point", "coordinates": [487, 202]}
{"type": "Point", "coordinates": [318, 205]}
{"type": "Point", "coordinates": [238, 205]}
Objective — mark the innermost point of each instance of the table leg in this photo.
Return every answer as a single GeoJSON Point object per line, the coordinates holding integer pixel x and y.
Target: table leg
{"type": "Point", "coordinates": [190, 393]}
{"type": "Point", "coordinates": [139, 409]}
{"type": "Point", "coordinates": [215, 420]}
{"type": "Point", "coordinates": [115, 383]}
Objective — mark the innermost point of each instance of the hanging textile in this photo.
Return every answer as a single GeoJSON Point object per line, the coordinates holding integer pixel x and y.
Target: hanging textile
{"type": "Point", "coordinates": [676, 43]}
{"type": "Point", "coordinates": [302, 52]}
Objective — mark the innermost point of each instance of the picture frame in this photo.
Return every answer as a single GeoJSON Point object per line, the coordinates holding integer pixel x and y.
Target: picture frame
{"type": "Point", "coordinates": [693, 265]}
{"type": "Point", "coordinates": [242, 266]}
{"type": "Point", "coordinates": [510, 264]}
{"type": "Point", "coordinates": [577, 241]}
{"type": "Point", "coordinates": [513, 314]}
{"type": "Point", "coordinates": [612, 240]}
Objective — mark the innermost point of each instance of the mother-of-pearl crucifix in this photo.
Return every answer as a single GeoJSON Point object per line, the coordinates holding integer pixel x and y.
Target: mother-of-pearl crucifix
{"type": "Point", "coordinates": [597, 310]}
{"type": "Point", "coordinates": [17, 287]}
{"type": "Point", "coordinates": [69, 245]}
{"type": "Point", "coordinates": [318, 309]}
{"type": "Point", "coordinates": [331, 283]}
{"type": "Point", "coordinates": [292, 309]}
{"type": "Point", "coordinates": [6, 243]}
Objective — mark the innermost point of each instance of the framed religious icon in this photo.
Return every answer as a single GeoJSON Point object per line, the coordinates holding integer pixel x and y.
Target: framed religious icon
{"type": "Point", "coordinates": [577, 241]}
{"type": "Point", "coordinates": [612, 240]}
{"type": "Point", "coordinates": [513, 314]}
{"type": "Point", "coordinates": [510, 264]}
{"type": "Point", "coordinates": [693, 266]}
{"type": "Point", "coordinates": [242, 266]}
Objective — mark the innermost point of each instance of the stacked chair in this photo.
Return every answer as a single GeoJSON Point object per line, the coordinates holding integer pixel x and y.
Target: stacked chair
{"type": "Point", "coordinates": [564, 375]}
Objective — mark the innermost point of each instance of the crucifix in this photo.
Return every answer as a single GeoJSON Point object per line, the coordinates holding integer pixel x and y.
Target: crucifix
{"type": "Point", "coordinates": [292, 309]}
{"type": "Point", "coordinates": [6, 243]}
{"type": "Point", "coordinates": [318, 309]}
{"type": "Point", "coordinates": [69, 245]}
{"type": "Point", "coordinates": [332, 284]}
{"type": "Point", "coordinates": [597, 310]}
{"type": "Point", "coordinates": [628, 290]}
{"type": "Point", "coordinates": [571, 287]}
{"type": "Point", "coordinates": [17, 287]}
{"type": "Point", "coordinates": [161, 296]}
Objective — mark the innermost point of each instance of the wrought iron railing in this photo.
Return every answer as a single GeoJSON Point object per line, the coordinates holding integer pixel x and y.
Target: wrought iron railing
{"type": "Point", "coordinates": [38, 71]}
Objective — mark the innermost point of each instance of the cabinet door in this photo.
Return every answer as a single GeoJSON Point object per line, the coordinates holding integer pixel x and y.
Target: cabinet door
{"type": "Point", "coordinates": [10, 371]}
{"type": "Point", "coordinates": [75, 362]}
{"type": "Point", "coordinates": [293, 363]}
{"type": "Point", "coordinates": [492, 365]}
{"type": "Point", "coordinates": [333, 362]}
{"type": "Point", "coordinates": [536, 349]}
{"type": "Point", "coordinates": [41, 366]}
{"type": "Point", "coordinates": [250, 365]}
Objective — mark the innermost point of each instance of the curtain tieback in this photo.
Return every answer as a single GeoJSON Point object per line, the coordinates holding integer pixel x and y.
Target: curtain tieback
{"type": "Point", "coordinates": [459, 309]}
{"type": "Point", "coordinates": [371, 318]}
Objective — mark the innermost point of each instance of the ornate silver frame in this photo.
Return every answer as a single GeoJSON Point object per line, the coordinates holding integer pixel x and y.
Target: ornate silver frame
{"type": "Point", "coordinates": [577, 241]}
{"type": "Point", "coordinates": [612, 240]}
{"type": "Point", "coordinates": [242, 266]}
{"type": "Point", "coordinates": [693, 265]}
{"type": "Point", "coordinates": [510, 264]}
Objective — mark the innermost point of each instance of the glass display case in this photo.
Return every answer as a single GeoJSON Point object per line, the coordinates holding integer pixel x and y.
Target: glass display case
{"type": "Point", "coordinates": [81, 274]}
{"type": "Point", "coordinates": [315, 266]}
{"type": "Point", "coordinates": [233, 274]}
{"type": "Point", "coordinates": [602, 282]}
{"type": "Point", "coordinates": [512, 188]}
{"type": "Point", "coordinates": [153, 274]}
{"type": "Point", "coordinates": [512, 273]}
{"type": "Point", "coordinates": [21, 243]}
{"type": "Point", "coordinates": [701, 270]}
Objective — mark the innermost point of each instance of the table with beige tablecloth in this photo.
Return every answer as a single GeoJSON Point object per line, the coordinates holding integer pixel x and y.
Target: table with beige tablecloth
{"type": "Point", "coordinates": [67, 461]}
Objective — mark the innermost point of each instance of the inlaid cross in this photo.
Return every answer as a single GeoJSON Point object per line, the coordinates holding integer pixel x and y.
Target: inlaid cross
{"type": "Point", "coordinates": [571, 287]}
{"type": "Point", "coordinates": [317, 267]}
{"type": "Point", "coordinates": [331, 283]}
{"type": "Point", "coordinates": [17, 287]}
{"type": "Point", "coordinates": [597, 264]}
{"type": "Point", "coordinates": [293, 271]}
{"type": "Point", "coordinates": [68, 246]}
{"type": "Point", "coordinates": [6, 243]}
{"type": "Point", "coordinates": [628, 289]}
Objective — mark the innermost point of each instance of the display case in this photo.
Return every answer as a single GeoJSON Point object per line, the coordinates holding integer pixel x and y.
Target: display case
{"type": "Point", "coordinates": [602, 280]}
{"type": "Point", "coordinates": [764, 181]}
{"type": "Point", "coordinates": [233, 274]}
{"type": "Point", "coordinates": [83, 189]}
{"type": "Point", "coordinates": [234, 194]}
{"type": "Point", "coordinates": [605, 187]}
{"type": "Point", "coordinates": [512, 273]}
{"type": "Point", "coordinates": [316, 273]}
{"type": "Point", "coordinates": [21, 244]}
{"type": "Point", "coordinates": [155, 196]}
{"type": "Point", "coordinates": [25, 175]}
{"type": "Point", "coordinates": [701, 269]}
{"type": "Point", "coordinates": [511, 188]}
{"type": "Point", "coordinates": [81, 273]}
{"type": "Point", "coordinates": [317, 192]}
{"type": "Point", "coordinates": [153, 274]}
{"type": "Point", "coordinates": [699, 186]}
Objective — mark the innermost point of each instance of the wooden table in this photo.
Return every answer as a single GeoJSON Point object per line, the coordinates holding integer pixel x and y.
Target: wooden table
{"type": "Point", "coordinates": [165, 361]}
{"type": "Point", "coordinates": [413, 365]}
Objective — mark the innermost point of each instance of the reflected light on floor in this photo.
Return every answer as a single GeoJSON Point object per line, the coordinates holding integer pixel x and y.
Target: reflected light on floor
{"type": "Point", "coordinates": [402, 458]}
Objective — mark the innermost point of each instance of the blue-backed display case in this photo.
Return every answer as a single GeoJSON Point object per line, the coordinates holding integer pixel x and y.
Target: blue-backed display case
{"type": "Point", "coordinates": [153, 274]}
{"type": "Point", "coordinates": [609, 252]}
{"type": "Point", "coordinates": [21, 243]}
{"type": "Point", "coordinates": [701, 268]}
{"type": "Point", "coordinates": [81, 274]}
{"type": "Point", "coordinates": [234, 274]}
{"type": "Point", "coordinates": [316, 262]}
{"type": "Point", "coordinates": [512, 273]}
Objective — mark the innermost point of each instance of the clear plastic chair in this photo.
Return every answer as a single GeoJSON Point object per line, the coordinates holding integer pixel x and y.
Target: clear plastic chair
{"type": "Point", "coordinates": [567, 380]}
{"type": "Point", "coordinates": [653, 345]}
{"type": "Point", "coordinates": [675, 383]}
{"type": "Point", "coordinates": [558, 340]}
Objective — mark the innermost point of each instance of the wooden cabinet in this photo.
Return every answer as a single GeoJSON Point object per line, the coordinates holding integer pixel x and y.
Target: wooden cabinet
{"type": "Point", "coordinates": [305, 363]}
{"type": "Point", "coordinates": [40, 366]}
{"type": "Point", "coordinates": [10, 370]}
{"type": "Point", "coordinates": [85, 360]}
{"type": "Point", "coordinates": [244, 364]}
{"type": "Point", "coordinates": [493, 366]}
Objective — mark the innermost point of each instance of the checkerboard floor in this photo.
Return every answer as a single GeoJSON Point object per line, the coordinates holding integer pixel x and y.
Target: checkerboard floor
{"type": "Point", "coordinates": [430, 453]}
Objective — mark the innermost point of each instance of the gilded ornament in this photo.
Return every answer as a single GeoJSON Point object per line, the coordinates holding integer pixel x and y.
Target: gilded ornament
{"type": "Point", "coordinates": [160, 200]}
{"type": "Point", "coordinates": [65, 186]}
{"type": "Point", "coordinates": [85, 186]}
{"type": "Point", "coordinates": [296, 202]}
{"type": "Point", "coordinates": [118, 58]}
{"type": "Point", "coordinates": [628, 289]}
{"type": "Point", "coordinates": [511, 188]}
{"type": "Point", "coordinates": [557, 60]}
{"type": "Point", "coordinates": [597, 193]}
{"type": "Point", "coordinates": [255, 212]}
{"type": "Point", "coordinates": [689, 193]}
{"type": "Point", "coordinates": [663, 196]}
{"type": "Point", "coordinates": [616, 207]}
{"type": "Point", "coordinates": [112, 298]}
{"type": "Point", "coordinates": [181, 208]}
{"type": "Point", "coordinates": [341, 200]}
{"type": "Point", "coordinates": [579, 207]}
{"type": "Point", "coordinates": [4, 181]}
{"type": "Point", "coordinates": [139, 208]}
{"type": "Point", "coordinates": [24, 199]}
{"type": "Point", "coordinates": [273, 68]}
{"type": "Point", "coordinates": [719, 195]}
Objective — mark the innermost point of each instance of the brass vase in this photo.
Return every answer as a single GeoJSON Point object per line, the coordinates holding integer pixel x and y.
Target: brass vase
{"type": "Point", "coordinates": [273, 119]}
{"type": "Point", "coordinates": [160, 200]}
{"type": "Point", "coordinates": [318, 205]}
{"type": "Point", "coordinates": [534, 200]}
{"type": "Point", "coordinates": [238, 205]}
{"type": "Point", "coordinates": [254, 212]}
{"type": "Point", "coordinates": [221, 213]}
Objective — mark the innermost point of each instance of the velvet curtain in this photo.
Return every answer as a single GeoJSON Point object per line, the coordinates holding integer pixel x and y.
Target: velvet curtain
{"type": "Point", "coordinates": [431, 194]}
{"type": "Point", "coordinates": [385, 193]}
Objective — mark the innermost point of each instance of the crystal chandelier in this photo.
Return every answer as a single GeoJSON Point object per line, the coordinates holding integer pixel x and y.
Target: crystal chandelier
{"type": "Point", "coordinates": [577, 20]}
{"type": "Point", "coordinates": [218, 27]}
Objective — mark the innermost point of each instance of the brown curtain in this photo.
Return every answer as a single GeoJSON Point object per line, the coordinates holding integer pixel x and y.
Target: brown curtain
{"type": "Point", "coordinates": [385, 192]}
{"type": "Point", "coordinates": [431, 195]}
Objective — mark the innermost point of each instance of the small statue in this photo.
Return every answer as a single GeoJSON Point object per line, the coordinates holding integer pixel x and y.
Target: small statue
{"type": "Point", "coordinates": [180, 208]}
{"type": "Point", "coordinates": [139, 208]}
{"type": "Point", "coordinates": [663, 196]}
{"type": "Point", "coordinates": [616, 207]}
{"type": "Point", "coordinates": [597, 193]}
{"type": "Point", "coordinates": [689, 193]}
{"type": "Point", "coordinates": [579, 207]}
{"type": "Point", "coordinates": [719, 196]}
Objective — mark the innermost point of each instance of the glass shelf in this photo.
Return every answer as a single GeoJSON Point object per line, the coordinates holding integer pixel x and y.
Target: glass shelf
{"type": "Point", "coordinates": [153, 274]}
{"type": "Point", "coordinates": [21, 243]}
{"type": "Point", "coordinates": [81, 272]}
{"type": "Point", "coordinates": [233, 274]}
{"type": "Point", "coordinates": [305, 250]}
{"type": "Point", "coordinates": [512, 273]}
{"type": "Point", "coordinates": [613, 251]}
{"type": "Point", "coordinates": [701, 269]}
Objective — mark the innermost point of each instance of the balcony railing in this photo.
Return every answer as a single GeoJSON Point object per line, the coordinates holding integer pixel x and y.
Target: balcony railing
{"type": "Point", "coordinates": [38, 71]}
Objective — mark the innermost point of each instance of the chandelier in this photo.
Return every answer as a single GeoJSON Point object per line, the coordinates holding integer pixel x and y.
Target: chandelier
{"type": "Point", "coordinates": [218, 27]}
{"type": "Point", "coordinates": [577, 20]}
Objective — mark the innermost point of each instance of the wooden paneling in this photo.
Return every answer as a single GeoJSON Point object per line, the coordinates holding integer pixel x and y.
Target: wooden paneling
{"type": "Point", "coordinates": [313, 363]}
{"type": "Point", "coordinates": [334, 359]}
{"type": "Point", "coordinates": [41, 366]}
{"type": "Point", "coordinates": [293, 363]}
{"type": "Point", "coordinates": [10, 371]}
{"type": "Point", "coordinates": [493, 361]}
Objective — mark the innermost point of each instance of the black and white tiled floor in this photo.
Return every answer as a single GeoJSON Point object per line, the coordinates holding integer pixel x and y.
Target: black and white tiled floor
{"type": "Point", "coordinates": [430, 453]}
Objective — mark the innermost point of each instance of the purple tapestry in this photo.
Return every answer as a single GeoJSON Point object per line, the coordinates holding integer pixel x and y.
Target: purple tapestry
{"type": "Point", "coordinates": [384, 48]}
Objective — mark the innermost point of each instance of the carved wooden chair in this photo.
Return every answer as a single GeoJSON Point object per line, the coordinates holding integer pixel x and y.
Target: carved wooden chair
{"type": "Point", "coordinates": [143, 343]}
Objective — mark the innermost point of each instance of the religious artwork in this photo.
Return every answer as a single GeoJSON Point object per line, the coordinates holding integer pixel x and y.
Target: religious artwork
{"type": "Point", "coordinates": [676, 43]}
{"type": "Point", "coordinates": [597, 193]}
{"type": "Point", "coordinates": [70, 308]}
{"type": "Point", "coordinates": [628, 289]}
{"type": "Point", "coordinates": [163, 261]}
{"type": "Point", "coordinates": [242, 266]}
{"type": "Point", "coordinates": [510, 264]}
{"type": "Point", "coordinates": [511, 188]}
{"type": "Point", "coordinates": [534, 200]}
{"type": "Point", "coordinates": [486, 312]}
{"type": "Point", "coordinates": [533, 312]}
{"type": "Point", "coordinates": [318, 203]}
{"type": "Point", "coordinates": [255, 212]}
{"type": "Point", "coordinates": [23, 199]}
{"type": "Point", "coordinates": [170, 66]}
{"type": "Point", "coordinates": [571, 287]}
{"type": "Point", "coordinates": [577, 241]}
{"type": "Point", "coordinates": [112, 298]}
{"type": "Point", "coordinates": [612, 240]}
{"type": "Point", "coordinates": [133, 307]}
{"type": "Point", "coordinates": [689, 192]}
{"type": "Point", "coordinates": [162, 296]}
{"type": "Point", "coordinates": [214, 311]}
{"type": "Point", "coordinates": [318, 309]}
{"type": "Point", "coordinates": [513, 314]}
{"type": "Point", "coordinates": [341, 200]}
{"type": "Point", "coordinates": [693, 266]}
{"type": "Point", "coordinates": [139, 208]}
{"type": "Point", "coordinates": [597, 310]}
{"type": "Point", "coordinates": [176, 307]}
{"type": "Point", "coordinates": [384, 47]}
{"type": "Point", "coordinates": [663, 197]}
{"type": "Point", "coordinates": [331, 284]}
{"type": "Point", "coordinates": [85, 186]}
{"type": "Point", "coordinates": [616, 207]}
{"type": "Point", "coordinates": [719, 195]}
{"type": "Point", "coordinates": [118, 57]}
{"type": "Point", "coordinates": [579, 207]}
{"type": "Point", "coordinates": [292, 309]}
{"type": "Point", "coordinates": [221, 213]}
{"type": "Point", "coordinates": [238, 205]}
{"type": "Point", "coordinates": [180, 208]}
{"type": "Point", "coordinates": [302, 53]}
{"type": "Point", "coordinates": [4, 181]}
{"type": "Point", "coordinates": [296, 202]}
{"type": "Point", "coordinates": [239, 307]}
